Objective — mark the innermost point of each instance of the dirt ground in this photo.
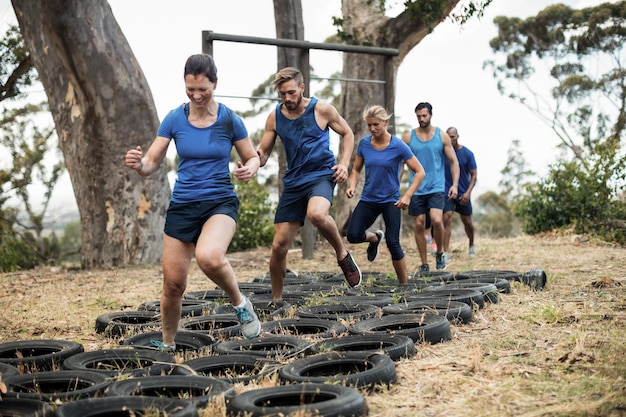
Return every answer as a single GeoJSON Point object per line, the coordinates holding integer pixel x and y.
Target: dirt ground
{"type": "Point", "coordinates": [556, 352]}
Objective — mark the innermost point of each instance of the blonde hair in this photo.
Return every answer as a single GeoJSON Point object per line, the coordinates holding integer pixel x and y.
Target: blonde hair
{"type": "Point", "coordinates": [377, 112]}
{"type": "Point", "coordinates": [287, 74]}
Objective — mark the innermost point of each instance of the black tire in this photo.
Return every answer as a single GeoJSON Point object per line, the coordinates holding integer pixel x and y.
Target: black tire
{"type": "Point", "coordinates": [190, 307]}
{"type": "Point", "coordinates": [490, 291]}
{"type": "Point", "coordinates": [225, 325]}
{"type": "Point", "coordinates": [432, 276]}
{"type": "Point", "coordinates": [490, 273]}
{"type": "Point", "coordinates": [17, 407]}
{"type": "Point", "coordinates": [8, 370]}
{"type": "Point", "coordinates": [387, 291]}
{"type": "Point", "coordinates": [454, 311]}
{"type": "Point", "coordinates": [128, 406]}
{"type": "Point", "coordinates": [305, 327]}
{"type": "Point", "coordinates": [234, 368]}
{"type": "Point", "coordinates": [265, 310]}
{"type": "Point", "coordinates": [198, 389]}
{"type": "Point", "coordinates": [355, 369]}
{"type": "Point", "coordinates": [377, 300]}
{"type": "Point", "coordinates": [116, 362]}
{"type": "Point", "coordinates": [250, 288]}
{"type": "Point", "coordinates": [535, 279]}
{"type": "Point", "coordinates": [266, 346]}
{"type": "Point", "coordinates": [217, 295]}
{"type": "Point", "coordinates": [424, 327]}
{"type": "Point", "coordinates": [309, 399]}
{"type": "Point", "coordinates": [466, 295]}
{"type": "Point", "coordinates": [120, 323]}
{"type": "Point", "coordinates": [38, 355]}
{"type": "Point", "coordinates": [316, 288]}
{"type": "Point", "coordinates": [503, 285]}
{"type": "Point", "coordinates": [292, 299]}
{"type": "Point", "coordinates": [339, 311]}
{"type": "Point", "coordinates": [52, 386]}
{"type": "Point", "coordinates": [396, 346]}
{"type": "Point", "coordinates": [186, 341]}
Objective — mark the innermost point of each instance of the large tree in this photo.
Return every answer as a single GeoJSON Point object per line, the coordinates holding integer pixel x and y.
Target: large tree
{"type": "Point", "coordinates": [364, 22]}
{"type": "Point", "coordinates": [102, 106]}
{"type": "Point", "coordinates": [581, 55]}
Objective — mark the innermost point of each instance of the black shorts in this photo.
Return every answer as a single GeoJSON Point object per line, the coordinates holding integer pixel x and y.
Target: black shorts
{"type": "Point", "coordinates": [184, 221]}
{"type": "Point", "coordinates": [421, 204]}
{"type": "Point", "coordinates": [455, 204]}
{"type": "Point", "coordinates": [293, 202]}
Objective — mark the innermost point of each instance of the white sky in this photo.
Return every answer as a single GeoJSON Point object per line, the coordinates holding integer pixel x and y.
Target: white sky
{"type": "Point", "coordinates": [445, 69]}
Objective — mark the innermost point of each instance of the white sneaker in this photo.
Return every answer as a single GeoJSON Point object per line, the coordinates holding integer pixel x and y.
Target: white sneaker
{"type": "Point", "coordinates": [250, 325]}
{"type": "Point", "coordinates": [472, 251]}
{"type": "Point", "coordinates": [447, 257]}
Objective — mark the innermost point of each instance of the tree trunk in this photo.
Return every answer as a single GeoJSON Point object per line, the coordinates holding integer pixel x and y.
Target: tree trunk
{"type": "Point", "coordinates": [289, 25]}
{"type": "Point", "coordinates": [367, 25]}
{"type": "Point", "coordinates": [102, 106]}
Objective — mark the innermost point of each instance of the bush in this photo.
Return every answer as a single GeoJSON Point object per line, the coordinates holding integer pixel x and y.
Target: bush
{"type": "Point", "coordinates": [255, 225]}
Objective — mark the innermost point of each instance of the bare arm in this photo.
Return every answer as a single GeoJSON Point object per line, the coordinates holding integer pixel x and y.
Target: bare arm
{"type": "Point", "coordinates": [150, 162]}
{"type": "Point", "coordinates": [268, 140]}
{"type": "Point", "coordinates": [454, 164]}
{"type": "Point", "coordinates": [354, 176]}
{"type": "Point", "coordinates": [250, 162]}
{"type": "Point", "coordinates": [467, 195]}
{"type": "Point", "coordinates": [420, 174]}
{"type": "Point", "coordinates": [338, 124]}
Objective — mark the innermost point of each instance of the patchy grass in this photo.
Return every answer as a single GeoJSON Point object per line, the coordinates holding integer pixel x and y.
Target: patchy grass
{"type": "Point", "coordinates": [556, 352]}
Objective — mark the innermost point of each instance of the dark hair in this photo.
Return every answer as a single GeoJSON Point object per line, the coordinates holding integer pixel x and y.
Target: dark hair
{"type": "Point", "coordinates": [424, 105]}
{"type": "Point", "coordinates": [201, 64]}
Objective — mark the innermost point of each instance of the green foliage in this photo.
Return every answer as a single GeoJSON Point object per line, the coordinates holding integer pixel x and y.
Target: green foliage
{"type": "Point", "coordinates": [496, 218]}
{"type": "Point", "coordinates": [255, 226]}
{"type": "Point", "coordinates": [71, 243]}
{"type": "Point", "coordinates": [16, 68]}
{"type": "Point", "coordinates": [582, 52]}
{"type": "Point", "coordinates": [592, 202]}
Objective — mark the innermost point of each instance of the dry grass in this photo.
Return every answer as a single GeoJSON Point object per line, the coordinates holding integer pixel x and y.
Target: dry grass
{"type": "Point", "coordinates": [556, 352]}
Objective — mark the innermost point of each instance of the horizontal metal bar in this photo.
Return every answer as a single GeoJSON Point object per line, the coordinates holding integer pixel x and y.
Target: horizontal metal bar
{"type": "Point", "coordinates": [351, 80]}
{"type": "Point", "coordinates": [249, 97]}
{"type": "Point", "coordinates": [291, 43]}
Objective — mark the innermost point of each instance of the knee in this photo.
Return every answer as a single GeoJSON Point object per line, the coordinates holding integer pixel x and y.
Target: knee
{"type": "Point", "coordinates": [210, 261]}
{"type": "Point", "coordinates": [280, 247]}
{"type": "Point", "coordinates": [395, 249]}
{"type": "Point", "coordinates": [354, 237]}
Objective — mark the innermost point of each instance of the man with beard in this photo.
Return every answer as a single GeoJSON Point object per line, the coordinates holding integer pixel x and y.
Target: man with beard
{"type": "Point", "coordinates": [303, 125]}
{"type": "Point", "coordinates": [430, 144]}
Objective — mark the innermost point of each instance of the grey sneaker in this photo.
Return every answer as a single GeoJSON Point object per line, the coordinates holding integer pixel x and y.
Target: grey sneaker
{"type": "Point", "coordinates": [351, 271]}
{"type": "Point", "coordinates": [441, 261]}
{"type": "Point", "coordinates": [472, 251]}
{"type": "Point", "coordinates": [424, 268]}
{"type": "Point", "coordinates": [372, 249]}
{"type": "Point", "coordinates": [250, 325]}
{"type": "Point", "coordinates": [447, 257]}
{"type": "Point", "coordinates": [159, 345]}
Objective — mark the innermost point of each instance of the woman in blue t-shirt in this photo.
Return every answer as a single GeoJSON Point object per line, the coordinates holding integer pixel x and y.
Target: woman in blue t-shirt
{"type": "Point", "coordinates": [383, 156]}
{"type": "Point", "coordinates": [202, 216]}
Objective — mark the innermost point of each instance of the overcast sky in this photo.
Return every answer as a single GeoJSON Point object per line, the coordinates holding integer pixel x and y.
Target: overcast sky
{"type": "Point", "coordinates": [445, 69]}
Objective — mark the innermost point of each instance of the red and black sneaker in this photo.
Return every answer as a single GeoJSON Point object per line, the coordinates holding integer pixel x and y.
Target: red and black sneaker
{"type": "Point", "coordinates": [351, 271]}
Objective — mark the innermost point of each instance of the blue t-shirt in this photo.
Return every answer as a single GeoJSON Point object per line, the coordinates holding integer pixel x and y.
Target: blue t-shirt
{"type": "Point", "coordinates": [203, 154]}
{"type": "Point", "coordinates": [467, 163]}
{"type": "Point", "coordinates": [307, 147]}
{"type": "Point", "coordinates": [383, 169]}
{"type": "Point", "coordinates": [430, 154]}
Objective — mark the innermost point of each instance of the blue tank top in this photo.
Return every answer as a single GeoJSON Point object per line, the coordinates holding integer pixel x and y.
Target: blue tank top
{"type": "Point", "coordinates": [307, 147]}
{"type": "Point", "coordinates": [430, 154]}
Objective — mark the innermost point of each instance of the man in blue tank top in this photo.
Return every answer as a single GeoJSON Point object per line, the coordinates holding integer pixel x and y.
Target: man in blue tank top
{"type": "Point", "coordinates": [430, 145]}
{"type": "Point", "coordinates": [463, 203]}
{"type": "Point", "coordinates": [303, 126]}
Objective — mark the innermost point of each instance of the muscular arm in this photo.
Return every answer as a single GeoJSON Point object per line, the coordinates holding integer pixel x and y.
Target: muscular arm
{"type": "Point", "coordinates": [467, 195]}
{"type": "Point", "coordinates": [268, 140]}
{"type": "Point", "coordinates": [327, 115]}
{"type": "Point", "coordinates": [150, 162]}
{"type": "Point", "coordinates": [354, 176]}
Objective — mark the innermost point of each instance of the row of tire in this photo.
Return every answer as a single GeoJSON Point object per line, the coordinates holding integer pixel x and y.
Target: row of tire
{"type": "Point", "coordinates": [355, 358]}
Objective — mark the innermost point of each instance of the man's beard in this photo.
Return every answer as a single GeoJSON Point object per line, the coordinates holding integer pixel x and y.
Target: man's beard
{"type": "Point", "coordinates": [293, 105]}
